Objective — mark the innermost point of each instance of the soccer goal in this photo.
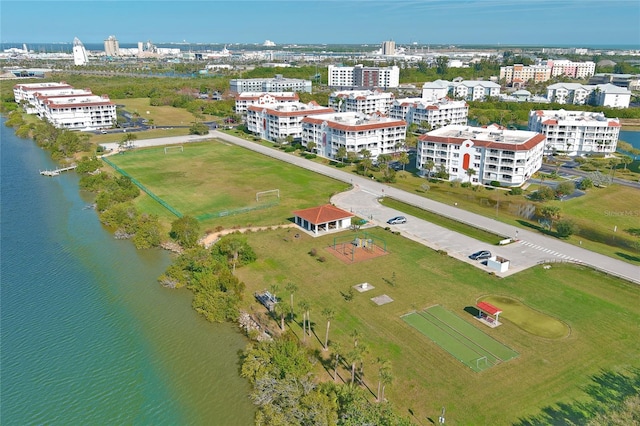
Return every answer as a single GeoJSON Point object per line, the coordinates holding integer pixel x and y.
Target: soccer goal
{"type": "Point", "coordinates": [175, 147]}
{"type": "Point", "coordinates": [482, 363]}
{"type": "Point", "coordinates": [267, 195]}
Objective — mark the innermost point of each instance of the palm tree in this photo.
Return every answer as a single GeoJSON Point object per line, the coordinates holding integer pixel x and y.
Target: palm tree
{"type": "Point", "coordinates": [429, 165]}
{"type": "Point", "coordinates": [356, 356]}
{"type": "Point", "coordinates": [383, 367]}
{"type": "Point", "coordinates": [470, 172]}
{"type": "Point", "coordinates": [279, 311]}
{"type": "Point", "coordinates": [127, 140]}
{"type": "Point", "coordinates": [304, 305]}
{"type": "Point", "coordinates": [329, 314]}
{"type": "Point", "coordinates": [311, 146]}
{"type": "Point", "coordinates": [403, 159]}
{"type": "Point", "coordinates": [355, 334]}
{"type": "Point", "coordinates": [336, 351]}
{"type": "Point", "coordinates": [291, 288]}
{"type": "Point", "coordinates": [386, 377]}
{"type": "Point", "coordinates": [342, 153]}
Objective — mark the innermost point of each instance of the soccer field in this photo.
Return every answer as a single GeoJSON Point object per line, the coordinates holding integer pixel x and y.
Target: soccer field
{"type": "Point", "coordinates": [462, 340]}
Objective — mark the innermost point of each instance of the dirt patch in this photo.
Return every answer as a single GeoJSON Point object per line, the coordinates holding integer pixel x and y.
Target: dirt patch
{"type": "Point", "coordinates": [349, 253]}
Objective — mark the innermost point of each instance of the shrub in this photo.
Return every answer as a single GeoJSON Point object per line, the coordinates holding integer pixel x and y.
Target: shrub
{"type": "Point", "coordinates": [495, 183]}
{"type": "Point", "coordinates": [585, 184]}
{"type": "Point", "coordinates": [515, 191]}
{"type": "Point", "coordinates": [465, 185]}
{"type": "Point", "coordinates": [565, 228]}
{"type": "Point", "coordinates": [322, 259]}
{"type": "Point", "coordinates": [310, 156]}
{"type": "Point", "coordinates": [313, 252]}
{"type": "Point", "coordinates": [289, 149]}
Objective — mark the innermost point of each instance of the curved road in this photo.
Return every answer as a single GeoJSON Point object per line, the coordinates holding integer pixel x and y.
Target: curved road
{"type": "Point", "coordinates": [529, 249]}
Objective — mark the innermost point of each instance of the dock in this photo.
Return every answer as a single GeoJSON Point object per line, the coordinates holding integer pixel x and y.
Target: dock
{"type": "Point", "coordinates": [56, 172]}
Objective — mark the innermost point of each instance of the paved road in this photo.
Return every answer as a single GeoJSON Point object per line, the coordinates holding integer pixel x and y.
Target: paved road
{"type": "Point", "coordinates": [530, 248]}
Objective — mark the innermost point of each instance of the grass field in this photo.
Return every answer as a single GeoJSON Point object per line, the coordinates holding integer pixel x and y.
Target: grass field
{"type": "Point", "coordinates": [602, 313]}
{"type": "Point", "coordinates": [468, 344]}
{"type": "Point", "coordinates": [211, 177]}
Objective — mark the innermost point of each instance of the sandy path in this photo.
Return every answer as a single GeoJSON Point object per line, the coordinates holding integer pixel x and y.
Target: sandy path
{"type": "Point", "coordinates": [210, 239]}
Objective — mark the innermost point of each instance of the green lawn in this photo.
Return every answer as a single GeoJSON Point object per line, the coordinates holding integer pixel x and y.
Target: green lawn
{"type": "Point", "coordinates": [213, 176]}
{"type": "Point", "coordinates": [601, 312]}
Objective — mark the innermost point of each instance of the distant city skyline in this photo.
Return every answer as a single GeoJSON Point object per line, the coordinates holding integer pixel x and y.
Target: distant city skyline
{"type": "Point", "coordinates": [575, 23]}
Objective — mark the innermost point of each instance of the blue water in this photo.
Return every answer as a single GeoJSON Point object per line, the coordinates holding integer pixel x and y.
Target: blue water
{"type": "Point", "coordinates": [88, 336]}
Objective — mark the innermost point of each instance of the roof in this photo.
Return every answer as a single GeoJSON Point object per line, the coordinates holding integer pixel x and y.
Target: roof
{"type": "Point", "coordinates": [488, 308]}
{"type": "Point", "coordinates": [322, 214]}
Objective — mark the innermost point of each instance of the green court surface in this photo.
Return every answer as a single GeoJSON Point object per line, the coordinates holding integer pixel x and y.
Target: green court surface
{"type": "Point", "coordinates": [462, 340]}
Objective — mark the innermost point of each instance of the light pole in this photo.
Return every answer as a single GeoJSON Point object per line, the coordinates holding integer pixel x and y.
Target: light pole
{"type": "Point", "coordinates": [441, 418]}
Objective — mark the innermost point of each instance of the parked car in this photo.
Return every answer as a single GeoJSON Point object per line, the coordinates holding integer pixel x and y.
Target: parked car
{"type": "Point", "coordinates": [397, 220]}
{"type": "Point", "coordinates": [480, 255]}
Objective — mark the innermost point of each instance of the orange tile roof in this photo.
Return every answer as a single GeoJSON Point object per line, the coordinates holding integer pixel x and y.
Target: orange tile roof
{"type": "Point", "coordinates": [323, 214]}
{"type": "Point", "coordinates": [527, 145]}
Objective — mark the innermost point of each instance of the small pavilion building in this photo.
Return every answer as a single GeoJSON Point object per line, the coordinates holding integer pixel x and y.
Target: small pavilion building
{"type": "Point", "coordinates": [323, 219]}
{"type": "Point", "coordinates": [488, 314]}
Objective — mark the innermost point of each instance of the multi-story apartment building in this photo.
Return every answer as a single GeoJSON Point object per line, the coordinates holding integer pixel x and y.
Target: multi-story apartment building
{"type": "Point", "coordinates": [40, 98]}
{"type": "Point", "coordinates": [388, 48]}
{"type": "Point", "coordinates": [364, 101]}
{"type": "Point", "coordinates": [111, 46]}
{"type": "Point", "coordinates": [81, 113]}
{"type": "Point", "coordinates": [276, 84]}
{"type": "Point", "coordinates": [66, 107]}
{"type": "Point", "coordinates": [519, 74]}
{"type": "Point", "coordinates": [435, 90]}
{"type": "Point", "coordinates": [276, 122]}
{"type": "Point", "coordinates": [474, 90]}
{"type": "Point", "coordinates": [246, 99]}
{"type": "Point", "coordinates": [628, 81]}
{"type": "Point", "coordinates": [25, 93]}
{"type": "Point", "coordinates": [607, 95]}
{"type": "Point", "coordinates": [482, 155]}
{"type": "Point", "coordinates": [437, 114]}
{"type": "Point", "coordinates": [576, 132]}
{"type": "Point", "coordinates": [355, 132]}
{"type": "Point", "coordinates": [571, 69]}
{"type": "Point", "coordinates": [361, 77]}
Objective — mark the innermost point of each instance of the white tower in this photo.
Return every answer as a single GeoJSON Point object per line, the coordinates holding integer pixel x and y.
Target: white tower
{"type": "Point", "coordinates": [79, 53]}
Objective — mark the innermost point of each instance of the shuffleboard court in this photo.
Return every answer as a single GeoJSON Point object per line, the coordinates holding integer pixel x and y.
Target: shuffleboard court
{"type": "Point", "coordinates": [479, 337]}
{"type": "Point", "coordinates": [469, 345]}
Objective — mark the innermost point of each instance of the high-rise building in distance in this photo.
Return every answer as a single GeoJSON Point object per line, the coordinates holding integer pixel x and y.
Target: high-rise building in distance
{"type": "Point", "coordinates": [111, 46]}
{"type": "Point", "coordinates": [388, 47]}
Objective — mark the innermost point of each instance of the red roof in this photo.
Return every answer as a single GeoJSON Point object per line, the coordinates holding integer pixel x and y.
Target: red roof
{"type": "Point", "coordinates": [488, 308]}
{"type": "Point", "coordinates": [527, 145]}
{"type": "Point", "coordinates": [323, 214]}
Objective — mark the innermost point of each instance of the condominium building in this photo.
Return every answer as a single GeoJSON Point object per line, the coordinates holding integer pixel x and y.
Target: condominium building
{"type": "Point", "coordinates": [435, 90]}
{"type": "Point", "coordinates": [571, 69]}
{"type": "Point", "coordinates": [364, 101]}
{"type": "Point", "coordinates": [277, 122]}
{"type": "Point", "coordinates": [576, 132]}
{"type": "Point", "coordinates": [628, 81]}
{"type": "Point", "coordinates": [519, 74]}
{"type": "Point", "coordinates": [81, 113]}
{"type": "Point", "coordinates": [475, 90]}
{"type": "Point", "coordinates": [355, 132]}
{"type": "Point", "coordinates": [361, 77]}
{"type": "Point", "coordinates": [276, 84]}
{"type": "Point", "coordinates": [246, 99]}
{"type": "Point", "coordinates": [111, 46]}
{"type": "Point", "coordinates": [482, 155]}
{"type": "Point", "coordinates": [40, 98]}
{"type": "Point", "coordinates": [607, 95]}
{"type": "Point", "coordinates": [25, 93]}
{"type": "Point", "coordinates": [436, 113]}
{"type": "Point", "coordinates": [388, 48]}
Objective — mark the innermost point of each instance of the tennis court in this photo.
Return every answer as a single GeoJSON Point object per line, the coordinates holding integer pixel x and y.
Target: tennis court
{"type": "Point", "coordinates": [462, 340]}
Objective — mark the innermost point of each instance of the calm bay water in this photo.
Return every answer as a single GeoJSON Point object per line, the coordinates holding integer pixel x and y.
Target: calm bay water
{"type": "Point", "coordinates": [87, 334]}
{"type": "Point", "coordinates": [631, 137]}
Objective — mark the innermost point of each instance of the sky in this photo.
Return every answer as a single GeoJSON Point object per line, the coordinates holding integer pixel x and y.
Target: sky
{"type": "Point", "coordinates": [577, 23]}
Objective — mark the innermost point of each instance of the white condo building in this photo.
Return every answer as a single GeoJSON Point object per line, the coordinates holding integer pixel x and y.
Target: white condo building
{"type": "Point", "coordinates": [354, 131]}
{"type": "Point", "coordinates": [607, 95]}
{"type": "Point", "coordinates": [509, 157]}
{"type": "Point", "coordinates": [246, 99]}
{"type": "Point", "coordinates": [436, 113]}
{"type": "Point", "coordinates": [79, 53]}
{"type": "Point", "coordinates": [364, 101]}
{"type": "Point", "coordinates": [475, 90]}
{"type": "Point", "coordinates": [576, 132]}
{"type": "Point", "coordinates": [276, 84]}
{"type": "Point", "coordinates": [80, 113]}
{"type": "Point", "coordinates": [24, 94]}
{"type": "Point", "coordinates": [435, 90]}
{"type": "Point", "coordinates": [361, 77]}
{"type": "Point", "coordinates": [276, 122]}
{"type": "Point", "coordinates": [66, 107]}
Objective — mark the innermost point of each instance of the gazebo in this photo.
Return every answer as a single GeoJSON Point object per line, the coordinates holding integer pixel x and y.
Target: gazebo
{"type": "Point", "coordinates": [323, 219]}
{"type": "Point", "coordinates": [485, 312]}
